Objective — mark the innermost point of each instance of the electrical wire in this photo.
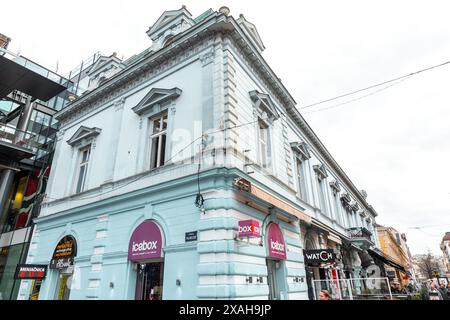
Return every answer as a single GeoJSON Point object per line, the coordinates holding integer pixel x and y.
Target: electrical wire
{"type": "Point", "coordinates": [165, 162]}
{"type": "Point", "coordinates": [356, 99]}
{"type": "Point", "coordinates": [375, 85]}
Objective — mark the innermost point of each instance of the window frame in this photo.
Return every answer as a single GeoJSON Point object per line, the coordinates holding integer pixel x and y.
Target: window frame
{"type": "Point", "coordinates": [267, 144]}
{"type": "Point", "coordinates": [82, 164]}
{"type": "Point", "coordinates": [158, 135]}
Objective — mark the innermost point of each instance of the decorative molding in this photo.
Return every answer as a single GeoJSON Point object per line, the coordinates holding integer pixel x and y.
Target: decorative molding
{"type": "Point", "coordinates": [321, 171]}
{"type": "Point", "coordinates": [264, 104]}
{"type": "Point", "coordinates": [301, 149]}
{"type": "Point", "coordinates": [119, 104]}
{"type": "Point", "coordinates": [335, 186]}
{"type": "Point", "coordinates": [83, 133]}
{"type": "Point", "coordinates": [154, 100]}
{"type": "Point", "coordinates": [207, 57]}
{"type": "Point", "coordinates": [60, 134]}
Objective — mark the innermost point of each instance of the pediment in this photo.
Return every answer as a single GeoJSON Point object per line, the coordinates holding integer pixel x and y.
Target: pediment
{"type": "Point", "coordinates": [251, 31]}
{"type": "Point", "coordinates": [335, 185]}
{"type": "Point", "coordinates": [301, 148]}
{"type": "Point", "coordinates": [264, 103]}
{"type": "Point", "coordinates": [320, 171]}
{"type": "Point", "coordinates": [167, 17]}
{"type": "Point", "coordinates": [83, 133]}
{"type": "Point", "coordinates": [156, 96]}
{"type": "Point", "coordinates": [101, 62]}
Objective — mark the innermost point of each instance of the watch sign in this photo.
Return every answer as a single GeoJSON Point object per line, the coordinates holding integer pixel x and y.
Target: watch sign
{"type": "Point", "coordinates": [31, 271]}
{"type": "Point", "coordinates": [319, 256]}
{"type": "Point", "coordinates": [249, 228]}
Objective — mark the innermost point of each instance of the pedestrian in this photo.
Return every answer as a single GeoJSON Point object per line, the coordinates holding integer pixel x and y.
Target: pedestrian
{"type": "Point", "coordinates": [434, 293]}
{"type": "Point", "coordinates": [444, 291]}
{"type": "Point", "coordinates": [324, 295]}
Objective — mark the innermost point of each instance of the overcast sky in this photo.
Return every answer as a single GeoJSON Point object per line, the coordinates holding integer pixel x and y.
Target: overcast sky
{"type": "Point", "coordinates": [395, 144]}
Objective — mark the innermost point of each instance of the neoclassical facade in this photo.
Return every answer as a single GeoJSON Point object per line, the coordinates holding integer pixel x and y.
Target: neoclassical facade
{"type": "Point", "coordinates": [187, 172]}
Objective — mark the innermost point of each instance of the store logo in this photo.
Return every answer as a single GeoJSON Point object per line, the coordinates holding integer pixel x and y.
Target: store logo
{"type": "Point", "coordinates": [320, 256]}
{"type": "Point", "coordinates": [277, 246]}
{"type": "Point", "coordinates": [249, 228]}
{"type": "Point", "coordinates": [145, 246]}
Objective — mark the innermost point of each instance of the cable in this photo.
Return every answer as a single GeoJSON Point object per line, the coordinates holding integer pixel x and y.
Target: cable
{"type": "Point", "coordinates": [356, 99]}
{"type": "Point", "coordinates": [143, 175]}
{"type": "Point", "coordinates": [375, 85]}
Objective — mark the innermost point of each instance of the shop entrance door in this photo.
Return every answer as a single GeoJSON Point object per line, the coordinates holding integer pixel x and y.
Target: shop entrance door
{"type": "Point", "coordinates": [63, 286]}
{"type": "Point", "coordinates": [149, 282]}
{"type": "Point", "coordinates": [274, 293]}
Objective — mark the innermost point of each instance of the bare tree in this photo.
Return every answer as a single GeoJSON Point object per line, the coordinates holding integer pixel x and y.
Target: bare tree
{"type": "Point", "coordinates": [428, 265]}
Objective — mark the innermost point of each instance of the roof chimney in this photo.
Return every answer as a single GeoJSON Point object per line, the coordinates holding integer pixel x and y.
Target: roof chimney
{"type": "Point", "coordinates": [4, 41]}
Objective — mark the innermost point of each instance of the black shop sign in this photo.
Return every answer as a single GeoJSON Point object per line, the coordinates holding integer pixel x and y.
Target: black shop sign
{"type": "Point", "coordinates": [319, 256]}
{"type": "Point", "coordinates": [64, 253]}
{"type": "Point", "coordinates": [30, 271]}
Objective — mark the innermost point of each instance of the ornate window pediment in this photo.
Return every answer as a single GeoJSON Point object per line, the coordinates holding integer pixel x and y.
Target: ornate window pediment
{"type": "Point", "coordinates": [83, 133]}
{"type": "Point", "coordinates": [335, 186]}
{"type": "Point", "coordinates": [153, 100]}
{"type": "Point", "coordinates": [345, 199]}
{"type": "Point", "coordinates": [301, 149]}
{"type": "Point", "coordinates": [321, 171]}
{"type": "Point", "coordinates": [355, 206]}
{"type": "Point", "coordinates": [264, 104]}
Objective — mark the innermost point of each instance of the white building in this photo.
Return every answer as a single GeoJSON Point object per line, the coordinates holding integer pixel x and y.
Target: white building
{"type": "Point", "coordinates": [128, 157]}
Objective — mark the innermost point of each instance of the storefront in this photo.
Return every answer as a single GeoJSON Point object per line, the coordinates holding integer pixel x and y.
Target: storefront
{"type": "Point", "coordinates": [145, 252]}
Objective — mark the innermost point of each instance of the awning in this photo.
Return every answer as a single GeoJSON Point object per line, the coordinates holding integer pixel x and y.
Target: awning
{"type": "Point", "coordinates": [386, 260]}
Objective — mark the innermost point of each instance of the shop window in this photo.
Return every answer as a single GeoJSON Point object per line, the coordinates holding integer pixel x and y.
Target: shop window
{"type": "Point", "coordinates": [84, 156]}
{"type": "Point", "coordinates": [158, 140]}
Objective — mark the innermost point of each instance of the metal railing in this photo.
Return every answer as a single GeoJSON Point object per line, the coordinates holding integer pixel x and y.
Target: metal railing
{"type": "Point", "coordinates": [354, 289]}
{"type": "Point", "coordinates": [360, 232]}
{"type": "Point", "coordinates": [20, 60]}
{"type": "Point", "coordinates": [24, 139]}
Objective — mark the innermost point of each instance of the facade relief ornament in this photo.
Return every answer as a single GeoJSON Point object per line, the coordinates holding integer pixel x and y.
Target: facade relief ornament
{"type": "Point", "coordinates": [321, 171]}
{"type": "Point", "coordinates": [207, 57]}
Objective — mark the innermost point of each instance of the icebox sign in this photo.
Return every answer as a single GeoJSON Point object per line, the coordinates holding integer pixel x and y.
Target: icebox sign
{"type": "Point", "coordinates": [275, 242]}
{"type": "Point", "coordinates": [146, 242]}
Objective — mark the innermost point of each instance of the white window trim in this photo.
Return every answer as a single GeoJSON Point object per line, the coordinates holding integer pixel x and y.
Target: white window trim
{"type": "Point", "coordinates": [78, 169]}
{"type": "Point", "coordinates": [269, 167]}
{"type": "Point", "coordinates": [150, 136]}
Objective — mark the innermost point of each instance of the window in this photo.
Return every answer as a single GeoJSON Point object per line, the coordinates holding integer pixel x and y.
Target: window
{"type": "Point", "coordinates": [337, 208]}
{"type": "Point", "coordinates": [264, 143]}
{"type": "Point", "coordinates": [82, 168]}
{"type": "Point", "coordinates": [321, 190]}
{"type": "Point", "coordinates": [300, 179]}
{"type": "Point", "coordinates": [158, 139]}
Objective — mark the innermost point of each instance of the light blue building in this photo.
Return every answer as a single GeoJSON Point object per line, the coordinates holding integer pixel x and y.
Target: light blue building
{"type": "Point", "coordinates": [186, 172]}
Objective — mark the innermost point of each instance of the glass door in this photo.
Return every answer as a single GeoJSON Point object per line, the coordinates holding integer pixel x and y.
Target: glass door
{"type": "Point", "coordinates": [63, 286]}
{"type": "Point", "coordinates": [150, 281]}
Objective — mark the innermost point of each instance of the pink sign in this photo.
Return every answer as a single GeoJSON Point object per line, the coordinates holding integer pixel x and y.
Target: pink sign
{"type": "Point", "coordinates": [146, 242]}
{"type": "Point", "coordinates": [249, 228]}
{"type": "Point", "coordinates": [275, 242]}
